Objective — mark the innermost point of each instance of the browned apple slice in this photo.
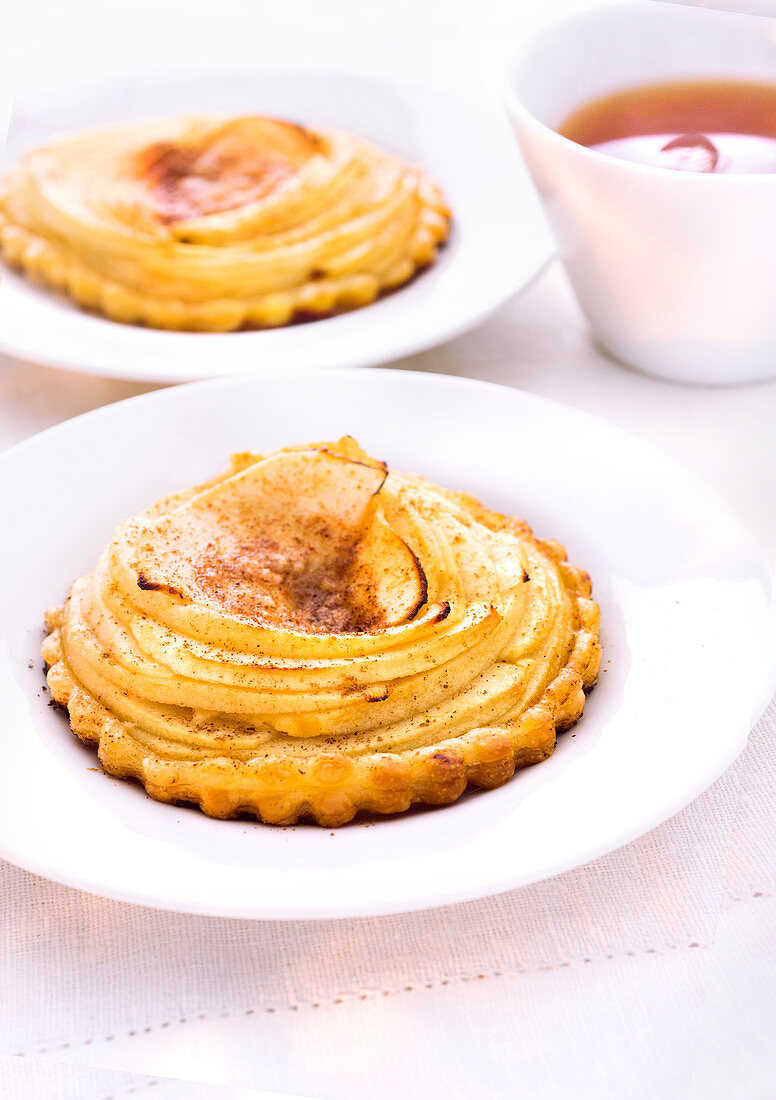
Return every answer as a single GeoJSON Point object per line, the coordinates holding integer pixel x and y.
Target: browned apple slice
{"type": "Point", "coordinates": [273, 542]}
{"type": "Point", "coordinates": [349, 447]}
{"type": "Point", "coordinates": [295, 486]}
{"type": "Point", "coordinates": [385, 581]}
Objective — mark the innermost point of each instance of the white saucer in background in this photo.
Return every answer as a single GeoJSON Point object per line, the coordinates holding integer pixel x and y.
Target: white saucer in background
{"type": "Point", "coordinates": [499, 240]}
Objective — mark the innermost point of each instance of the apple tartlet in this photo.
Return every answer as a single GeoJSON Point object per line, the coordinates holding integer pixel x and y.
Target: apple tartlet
{"type": "Point", "coordinates": [310, 635]}
{"type": "Point", "coordinates": [212, 224]}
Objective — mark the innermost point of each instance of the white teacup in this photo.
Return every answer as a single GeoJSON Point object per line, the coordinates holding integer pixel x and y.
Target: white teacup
{"type": "Point", "coordinates": [675, 271]}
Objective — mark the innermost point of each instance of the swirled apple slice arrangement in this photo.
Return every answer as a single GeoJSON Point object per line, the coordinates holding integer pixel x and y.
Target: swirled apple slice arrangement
{"type": "Point", "coordinates": [310, 635]}
{"type": "Point", "coordinates": [216, 224]}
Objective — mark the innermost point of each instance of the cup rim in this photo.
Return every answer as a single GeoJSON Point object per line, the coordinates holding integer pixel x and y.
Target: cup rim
{"type": "Point", "coordinates": [516, 107]}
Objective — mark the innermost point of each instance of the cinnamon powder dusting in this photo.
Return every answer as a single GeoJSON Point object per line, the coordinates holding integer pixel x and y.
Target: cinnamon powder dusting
{"type": "Point", "coordinates": [288, 584]}
{"type": "Point", "coordinates": [192, 181]}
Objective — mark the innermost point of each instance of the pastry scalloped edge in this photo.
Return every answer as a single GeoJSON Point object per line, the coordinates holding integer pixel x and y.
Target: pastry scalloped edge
{"type": "Point", "coordinates": [334, 787]}
{"type": "Point", "coordinates": [46, 264]}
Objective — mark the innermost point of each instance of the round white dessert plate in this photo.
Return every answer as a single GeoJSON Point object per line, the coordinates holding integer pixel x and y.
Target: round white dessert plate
{"type": "Point", "coordinates": [498, 243]}
{"type": "Point", "coordinates": [689, 637]}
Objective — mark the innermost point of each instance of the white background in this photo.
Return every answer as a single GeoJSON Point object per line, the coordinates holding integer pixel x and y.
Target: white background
{"type": "Point", "coordinates": [648, 974]}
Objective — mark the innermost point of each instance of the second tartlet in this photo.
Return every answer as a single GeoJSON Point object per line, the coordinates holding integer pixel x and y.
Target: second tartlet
{"type": "Point", "coordinates": [212, 224]}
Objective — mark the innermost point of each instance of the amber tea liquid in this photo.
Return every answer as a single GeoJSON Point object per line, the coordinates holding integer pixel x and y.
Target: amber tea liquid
{"type": "Point", "coordinates": [713, 126]}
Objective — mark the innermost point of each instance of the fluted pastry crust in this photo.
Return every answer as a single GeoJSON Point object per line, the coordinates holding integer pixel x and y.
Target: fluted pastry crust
{"type": "Point", "coordinates": [309, 635]}
{"type": "Point", "coordinates": [212, 224]}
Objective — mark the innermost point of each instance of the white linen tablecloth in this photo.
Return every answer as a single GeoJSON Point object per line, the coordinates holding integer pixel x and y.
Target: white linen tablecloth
{"type": "Point", "coordinates": [647, 973]}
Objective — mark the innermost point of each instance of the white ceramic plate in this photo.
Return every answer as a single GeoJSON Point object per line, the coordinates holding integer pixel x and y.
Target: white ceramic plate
{"type": "Point", "coordinates": [498, 244]}
{"type": "Point", "coordinates": [689, 640]}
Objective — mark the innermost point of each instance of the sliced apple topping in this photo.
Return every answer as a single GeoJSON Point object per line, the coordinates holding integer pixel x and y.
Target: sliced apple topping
{"type": "Point", "coordinates": [295, 540]}
{"type": "Point", "coordinates": [385, 580]}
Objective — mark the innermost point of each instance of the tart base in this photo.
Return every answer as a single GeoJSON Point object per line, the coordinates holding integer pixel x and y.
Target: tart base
{"type": "Point", "coordinates": [331, 788]}
{"type": "Point", "coordinates": [44, 263]}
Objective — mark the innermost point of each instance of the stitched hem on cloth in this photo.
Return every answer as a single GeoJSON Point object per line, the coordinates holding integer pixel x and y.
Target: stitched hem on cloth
{"type": "Point", "coordinates": [412, 987]}
{"type": "Point", "coordinates": [748, 897]}
{"type": "Point", "coordinates": [132, 1090]}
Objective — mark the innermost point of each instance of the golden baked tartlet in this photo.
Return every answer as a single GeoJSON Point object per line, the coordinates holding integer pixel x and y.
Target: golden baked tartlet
{"type": "Point", "coordinates": [309, 635]}
{"type": "Point", "coordinates": [213, 224]}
